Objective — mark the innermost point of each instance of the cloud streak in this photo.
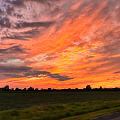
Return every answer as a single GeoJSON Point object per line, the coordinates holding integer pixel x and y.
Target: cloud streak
{"type": "Point", "coordinates": [60, 43]}
{"type": "Point", "coordinates": [13, 49]}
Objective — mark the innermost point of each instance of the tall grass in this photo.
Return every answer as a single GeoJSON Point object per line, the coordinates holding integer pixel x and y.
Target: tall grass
{"type": "Point", "coordinates": [58, 111]}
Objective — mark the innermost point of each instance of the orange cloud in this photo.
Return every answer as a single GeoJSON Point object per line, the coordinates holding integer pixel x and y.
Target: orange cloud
{"type": "Point", "coordinates": [81, 44]}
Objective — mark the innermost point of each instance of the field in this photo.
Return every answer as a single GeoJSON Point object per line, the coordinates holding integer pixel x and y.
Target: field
{"type": "Point", "coordinates": [57, 105]}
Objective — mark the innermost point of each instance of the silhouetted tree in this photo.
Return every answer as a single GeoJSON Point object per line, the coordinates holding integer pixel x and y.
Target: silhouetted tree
{"type": "Point", "coordinates": [24, 89]}
{"type": "Point", "coordinates": [100, 88]}
{"type": "Point", "coordinates": [6, 88]}
{"type": "Point", "coordinates": [30, 89]}
{"type": "Point", "coordinates": [88, 87]}
{"type": "Point", "coordinates": [49, 89]}
{"type": "Point", "coordinates": [12, 89]}
{"type": "Point", "coordinates": [36, 89]}
{"type": "Point", "coordinates": [76, 89]}
{"type": "Point", "coordinates": [17, 89]}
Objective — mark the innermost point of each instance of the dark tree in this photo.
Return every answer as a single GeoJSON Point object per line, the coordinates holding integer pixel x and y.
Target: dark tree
{"type": "Point", "coordinates": [88, 87]}
{"type": "Point", "coordinates": [49, 89]}
{"type": "Point", "coordinates": [30, 89]}
{"type": "Point", "coordinates": [12, 89]}
{"type": "Point", "coordinates": [17, 89]}
{"type": "Point", "coordinates": [6, 88]}
{"type": "Point", "coordinates": [100, 88]}
{"type": "Point", "coordinates": [24, 89]}
{"type": "Point", "coordinates": [76, 89]}
{"type": "Point", "coordinates": [36, 89]}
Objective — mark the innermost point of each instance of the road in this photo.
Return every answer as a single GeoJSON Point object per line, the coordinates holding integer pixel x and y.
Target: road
{"type": "Point", "coordinates": [115, 116]}
{"type": "Point", "coordinates": [118, 118]}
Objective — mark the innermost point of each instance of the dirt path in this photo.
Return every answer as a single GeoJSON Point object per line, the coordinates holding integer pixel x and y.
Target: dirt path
{"type": "Point", "coordinates": [115, 116]}
{"type": "Point", "coordinates": [118, 118]}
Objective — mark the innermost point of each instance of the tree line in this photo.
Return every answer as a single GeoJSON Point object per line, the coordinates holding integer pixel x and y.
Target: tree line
{"type": "Point", "coordinates": [87, 88]}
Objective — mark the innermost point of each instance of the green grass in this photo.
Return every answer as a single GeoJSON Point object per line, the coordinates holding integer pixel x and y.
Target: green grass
{"type": "Point", "coordinates": [94, 114]}
{"type": "Point", "coordinates": [71, 111]}
{"type": "Point", "coordinates": [22, 100]}
{"type": "Point", "coordinates": [57, 105]}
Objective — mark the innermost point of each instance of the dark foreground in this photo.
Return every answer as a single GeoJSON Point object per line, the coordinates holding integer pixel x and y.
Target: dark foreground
{"type": "Point", "coordinates": [60, 105]}
{"type": "Point", "coordinates": [114, 116]}
{"type": "Point", "coordinates": [10, 100]}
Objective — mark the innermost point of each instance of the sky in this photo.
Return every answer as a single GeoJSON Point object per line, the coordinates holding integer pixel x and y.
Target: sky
{"type": "Point", "coordinates": [59, 43]}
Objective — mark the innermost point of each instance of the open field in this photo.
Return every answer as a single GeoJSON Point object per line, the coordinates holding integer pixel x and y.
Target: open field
{"type": "Point", "coordinates": [57, 105]}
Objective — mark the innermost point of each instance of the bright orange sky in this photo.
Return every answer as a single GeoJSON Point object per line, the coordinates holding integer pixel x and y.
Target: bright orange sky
{"type": "Point", "coordinates": [59, 43]}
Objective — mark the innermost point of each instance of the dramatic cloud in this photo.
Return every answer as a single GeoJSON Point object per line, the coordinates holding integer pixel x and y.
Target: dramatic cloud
{"type": "Point", "coordinates": [55, 76]}
{"type": "Point", "coordinates": [16, 2]}
{"type": "Point", "coordinates": [23, 71]}
{"type": "Point", "coordinates": [13, 69]}
{"type": "Point", "coordinates": [4, 22]}
{"type": "Point", "coordinates": [33, 24]}
{"type": "Point", "coordinates": [60, 43]}
{"type": "Point", "coordinates": [14, 49]}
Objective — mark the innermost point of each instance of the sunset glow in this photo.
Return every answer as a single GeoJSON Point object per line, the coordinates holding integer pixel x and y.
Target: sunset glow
{"type": "Point", "coordinates": [59, 43]}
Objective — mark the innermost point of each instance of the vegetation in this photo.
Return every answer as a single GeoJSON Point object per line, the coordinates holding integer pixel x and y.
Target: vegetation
{"type": "Point", "coordinates": [11, 100]}
{"type": "Point", "coordinates": [51, 104]}
{"type": "Point", "coordinates": [70, 111]}
{"type": "Point", "coordinates": [55, 105]}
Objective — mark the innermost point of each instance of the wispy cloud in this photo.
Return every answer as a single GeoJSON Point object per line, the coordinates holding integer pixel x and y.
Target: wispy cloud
{"type": "Point", "coordinates": [64, 42]}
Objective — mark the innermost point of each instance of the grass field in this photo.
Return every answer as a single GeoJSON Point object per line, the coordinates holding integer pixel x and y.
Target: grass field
{"type": "Point", "coordinates": [57, 105]}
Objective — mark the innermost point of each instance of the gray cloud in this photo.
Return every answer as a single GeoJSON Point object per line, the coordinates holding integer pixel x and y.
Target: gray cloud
{"type": "Point", "coordinates": [4, 22]}
{"type": "Point", "coordinates": [11, 20]}
{"type": "Point", "coordinates": [14, 69]}
{"type": "Point", "coordinates": [34, 24]}
{"type": "Point", "coordinates": [55, 76]}
{"type": "Point", "coordinates": [16, 2]}
{"type": "Point", "coordinates": [13, 49]}
{"type": "Point", "coordinates": [36, 73]}
{"type": "Point", "coordinates": [23, 71]}
{"type": "Point", "coordinates": [45, 1]}
{"type": "Point", "coordinates": [32, 32]}
{"type": "Point", "coordinates": [8, 75]}
{"type": "Point", "coordinates": [59, 77]}
{"type": "Point", "coordinates": [33, 15]}
{"type": "Point", "coordinates": [116, 72]}
{"type": "Point", "coordinates": [17, 37]}
{"type": "Point", "coordinates": [23, 35]}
